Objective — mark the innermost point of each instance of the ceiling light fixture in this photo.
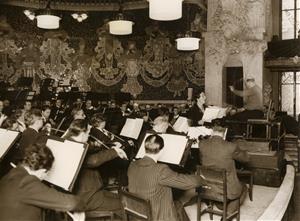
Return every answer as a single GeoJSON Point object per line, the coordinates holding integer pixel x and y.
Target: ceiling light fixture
{"type": "Point", "coordinates": [165, 10]}
{"type": "Point", "coordinates": [29, 14]}
{"type": "Point", "coordinates": [120, 26]}
{"type": "Point", "coordinates": [47, 19]}
{"type": "Point", "coordinates": [188, 42]}
{"type": "Point", "coordinates": [79, 16]}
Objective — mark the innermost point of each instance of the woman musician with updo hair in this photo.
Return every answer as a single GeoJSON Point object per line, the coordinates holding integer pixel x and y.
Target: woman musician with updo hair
{"type": "Point", "coordinates": [23, 195]}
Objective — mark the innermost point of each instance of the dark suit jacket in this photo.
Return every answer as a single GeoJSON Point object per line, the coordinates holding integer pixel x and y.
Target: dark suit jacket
{"type": "Point", "coordinates": [154, 181]}
{"type": "Point", "coordinates": [23, 196]}
{"type": "Point", "coordinates": [89, 183]}
{"type": "Point", "coordinates": [216, 152]}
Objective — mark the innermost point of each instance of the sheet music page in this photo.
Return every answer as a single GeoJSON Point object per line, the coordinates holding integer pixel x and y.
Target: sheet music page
{"type": "Point", "coordinates": [132, 128]}
{"type": "Point", "coordinates": [7, 137]}
{"type": "Point", "coordinates": [222, 112]}
{"type": "Point", "coordinates": [67, 156]}
{"type": "Point", "coordinates": [195, 132]}
{"type": "Point", "coordinates": [210, 114]}
{"type": "Point", "coordinates": [181, 125]}
{"type": "Point", "coordinates": [173, 149]}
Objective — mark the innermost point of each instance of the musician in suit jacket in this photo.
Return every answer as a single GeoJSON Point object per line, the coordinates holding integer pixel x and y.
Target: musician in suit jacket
{"type": "Point", "coordinates": [218, 153]}
{"type": "Point", "coordinates": [115, 168]}
{"type": "Point", "coordinates": [154, 181]}
{"type": "Point", "coordinates": [31, 135]}
{"type": "Point", "coordinates": [89, 183]}
{"type": "Point", "coordinates": [23, 195]}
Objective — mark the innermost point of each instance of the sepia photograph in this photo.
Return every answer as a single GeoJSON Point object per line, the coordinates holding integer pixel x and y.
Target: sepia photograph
{"type": "Point", "coordinates": [154, 110]}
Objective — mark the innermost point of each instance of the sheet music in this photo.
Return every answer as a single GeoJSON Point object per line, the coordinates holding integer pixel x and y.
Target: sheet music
{"type": "Point", "coordinates": [67, 156]}
{"type": "Point", "coordinates": [181, 125]}
{"type": "Point", "coordinates": [132, 128]}
{"type": "Point", "coordinates": [210, 114]}
{"type": "Point", "coordinates": [173, 149]}
{"type": "Point", "coordinates": [213, 112]}
{"type": "Point", "coordinates": [7, 137]}
{"type": "Point", "coordinates": [195, 132]}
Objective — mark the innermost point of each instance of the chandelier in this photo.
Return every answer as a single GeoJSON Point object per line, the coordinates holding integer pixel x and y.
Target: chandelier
{"type": "Point", "coordinates": [165, 10]}
{"type": "Point", "coordinates": [79, 16]}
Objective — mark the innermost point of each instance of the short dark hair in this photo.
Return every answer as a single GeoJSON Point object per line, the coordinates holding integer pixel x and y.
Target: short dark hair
{"type": "Point", "coordinates": [97, 119]}
{"type": "Point", "coordinates": [38, 156]}
{"type": "Point", "coordinates": [31, 116]}
{"type": "Point", "coordinates": [154, 143]}
{"type": "Point", "coordinates": [9, 122]}
{"type": "Point", "coordinates": [45, 107]}
{"type": "Point", "coordinates": [76, 127]}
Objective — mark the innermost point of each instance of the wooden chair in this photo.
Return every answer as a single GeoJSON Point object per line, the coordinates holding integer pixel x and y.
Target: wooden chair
{"type": "Point", "coordinates": [266, 122]}
{"type": "Point", "coordinates": [217, 192]}
{"type": "Point", "coordinates": [99, 215]}
{"type": "Point", "coordinates": [248, 176]}
{"type": "Point", "coordinates": [135, 206]}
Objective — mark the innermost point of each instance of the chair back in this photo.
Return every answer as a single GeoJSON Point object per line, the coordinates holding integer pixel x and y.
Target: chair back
{"type": "Point", "coordinates": [269, 111]}
{"type": "Point", "coordinates": [216, 182]}
{"type": "Point", "coordinates": [135, 206]}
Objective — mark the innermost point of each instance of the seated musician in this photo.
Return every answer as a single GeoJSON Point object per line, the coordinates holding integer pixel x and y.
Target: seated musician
{"type": "Point", "coordinates": [115, 168]}
{"type": "Point", "coordinates": [197, 110]}
{"type": "Point", "coordinates": [89, 183]}
{"type": "Point", "coordinates": [23, 195]}
{"type": "Point", "coordinates": [10, 123]}
{"type": "Point", "coordinates": [218, 153]}
{"type": "Point", "coordinates": [2, 115]}
{"type": "Point", "coordinates": [57, 112]}
{"type": "Point", "coordinates": [20, 120]}
{"type": "Point", "coordinates": [89, 109]}
{"type": "Point", "coordinates": [77, 113]}
{"type": "Point", "coordinates": [160, 125]}
{"type": "Point", "coordinates": [154, 181]}
{"type": "Point", "coordinates": [34, 122]}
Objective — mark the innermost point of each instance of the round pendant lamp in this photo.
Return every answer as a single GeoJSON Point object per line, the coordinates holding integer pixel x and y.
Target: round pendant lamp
{"type": "Point", "coordinates": [165, 10]}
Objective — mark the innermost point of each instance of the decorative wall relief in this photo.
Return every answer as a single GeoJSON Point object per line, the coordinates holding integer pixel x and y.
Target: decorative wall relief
{"type": "Point", "coordinates": [56, 59]}
{"type": "Point", "coordinates": [105, 65]}
{"type": "Point", "coordinates": [30, 62]}
{"type": "Point", "coordinates": [193, 67]}
{"type": "Point", "coordinates": [132, 67]}
{"type": "Point", "coordinates": [177, 84]}
{"type": "Point", "coordinates": [8, 57]}
{"type": "Point", "coordinates": [81, 68]}
{"type": "Point", "coordinates": [156, 59]}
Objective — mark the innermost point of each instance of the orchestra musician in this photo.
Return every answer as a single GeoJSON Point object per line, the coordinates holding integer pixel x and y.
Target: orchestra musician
{"type": "Point", "coordinates": [218, 153]}
{"type": "Point", "coordinates": [115, 168]}
{"type": "Point", "coordinates": [154, 181]}
{"type": "Point", "coordinates": [196, 112]}
{"type": "Point", "coordinates": [89, 182]}
{"type": "Point", "coordinates": [24, 196]}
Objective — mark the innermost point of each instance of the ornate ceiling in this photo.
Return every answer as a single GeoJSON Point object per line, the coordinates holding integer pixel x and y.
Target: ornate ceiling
{"type": "Point", "coordinates": [90, 5]}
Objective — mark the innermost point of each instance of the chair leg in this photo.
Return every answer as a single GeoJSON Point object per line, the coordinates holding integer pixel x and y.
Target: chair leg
{"type": "Point", "coordinates": [239, 210]}
{"type": "Point", "coordinates": [199, 209]}
{"type": "Point", "coordinates": [224, 218]}
{"type": "Point", "coordinates": [251, 188]}
{"type": "Point", "coordinates": [211, 206]}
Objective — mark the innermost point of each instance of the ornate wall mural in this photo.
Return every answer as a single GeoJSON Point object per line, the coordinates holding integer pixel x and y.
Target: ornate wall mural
{"type": "Point", "coordinates": [145, 64]}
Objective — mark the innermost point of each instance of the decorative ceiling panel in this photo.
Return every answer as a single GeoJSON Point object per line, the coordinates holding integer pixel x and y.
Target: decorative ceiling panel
{"type": "Point", "coordinates": [91, 5]}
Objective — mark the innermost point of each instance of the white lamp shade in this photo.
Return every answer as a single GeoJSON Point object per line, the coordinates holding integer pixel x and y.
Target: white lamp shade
{"type": "Point", "coordinates": [165, 10]}
{"type": "Point", "coordinates": [48, 21]}
{"type": "Point", "coordinates": [120, 27]}
{"type": "Point", "coordinates": [187, 44]}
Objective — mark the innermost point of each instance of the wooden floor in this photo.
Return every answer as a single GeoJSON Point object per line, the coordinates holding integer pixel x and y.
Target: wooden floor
{"type": "Point", "coordinates": [262, 197]}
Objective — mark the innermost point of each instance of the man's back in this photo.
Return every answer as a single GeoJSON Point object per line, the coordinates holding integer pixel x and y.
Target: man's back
{"type": "Point", "coordinates": [154, 181]}
{"type": "Point", "coordinates": [216, 152]}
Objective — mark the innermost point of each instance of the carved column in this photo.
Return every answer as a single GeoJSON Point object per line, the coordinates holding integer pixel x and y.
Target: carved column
{"type": "Point", "coordinates": [235, 31]}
